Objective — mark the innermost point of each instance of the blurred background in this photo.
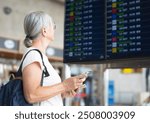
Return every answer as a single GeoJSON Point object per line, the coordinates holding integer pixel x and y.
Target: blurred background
{"type": "Point", "coordinates": [106, 85]}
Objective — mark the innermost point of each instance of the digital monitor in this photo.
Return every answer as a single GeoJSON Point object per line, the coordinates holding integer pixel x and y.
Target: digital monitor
{"type": "Point", "coordinates": [106, 30]}
{"type": "Point", "coordinates": [84, 38]}
{"type": "Point", "coordinates": [128, 29]}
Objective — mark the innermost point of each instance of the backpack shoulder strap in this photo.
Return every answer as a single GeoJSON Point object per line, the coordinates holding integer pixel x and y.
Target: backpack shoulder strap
{"type": "Point", "coordinates": [45, 72]}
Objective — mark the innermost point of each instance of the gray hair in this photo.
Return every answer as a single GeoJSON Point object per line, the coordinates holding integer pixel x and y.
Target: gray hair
{"type": "Point", "coordinates": [33, 23]}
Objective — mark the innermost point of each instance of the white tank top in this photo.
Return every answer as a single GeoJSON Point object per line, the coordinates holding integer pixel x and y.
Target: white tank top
{"type": "Point", "coordinates": [54, 78]}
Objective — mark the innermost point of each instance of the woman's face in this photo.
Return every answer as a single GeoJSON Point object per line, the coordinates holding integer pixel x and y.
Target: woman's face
{"type": "Point", "coordinates": [51, 31]}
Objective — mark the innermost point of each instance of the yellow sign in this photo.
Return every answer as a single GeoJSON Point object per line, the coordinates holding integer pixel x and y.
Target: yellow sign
{"type": "Point", "coordinates": [130, 70]}
{"type": "Point", "coordinates": [114, 5]}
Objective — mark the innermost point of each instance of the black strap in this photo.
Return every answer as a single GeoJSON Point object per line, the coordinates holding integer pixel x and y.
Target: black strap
{"type": "Point", "coordinates": [44, 73]}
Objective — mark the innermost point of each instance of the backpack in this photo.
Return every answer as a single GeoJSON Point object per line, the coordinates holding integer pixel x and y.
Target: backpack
{"type": "Point", "coordinates": [11, 94]}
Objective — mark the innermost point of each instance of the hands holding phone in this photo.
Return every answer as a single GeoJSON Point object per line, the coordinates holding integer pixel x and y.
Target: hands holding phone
{"type": "Point", "coordinates": [76, 82]}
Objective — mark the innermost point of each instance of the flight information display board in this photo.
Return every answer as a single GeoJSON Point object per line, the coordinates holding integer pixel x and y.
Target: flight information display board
{"type": "Point", "coordinates": [105, 30]}
{"type": "Point", "coordinates": [84, 30]}
{"type": "Point", "coordinates": [128, 33]}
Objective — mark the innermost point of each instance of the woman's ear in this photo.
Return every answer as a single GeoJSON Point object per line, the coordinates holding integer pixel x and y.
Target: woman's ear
{"type": "Point", "coordinates": [44, 32]}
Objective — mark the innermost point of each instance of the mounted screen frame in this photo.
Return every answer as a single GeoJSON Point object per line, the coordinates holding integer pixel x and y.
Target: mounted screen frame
{"type": "Point", "coordinates": [128, 58]}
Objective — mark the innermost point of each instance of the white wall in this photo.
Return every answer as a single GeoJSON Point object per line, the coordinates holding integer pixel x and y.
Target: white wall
{"type": "Point", "coordinates": [12, 24]}
{"type": "Point", "coordinates": [127, 86]}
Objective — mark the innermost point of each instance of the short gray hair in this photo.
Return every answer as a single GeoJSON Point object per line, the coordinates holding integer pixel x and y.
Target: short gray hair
{"type": "Point", "coordinates": [33, 23]}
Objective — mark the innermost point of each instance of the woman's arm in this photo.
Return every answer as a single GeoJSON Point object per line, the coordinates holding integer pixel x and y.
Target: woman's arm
{"type": "Point", "coordinates": [72, 93]}
{"type": "Point", "coordinates": [34, 92]}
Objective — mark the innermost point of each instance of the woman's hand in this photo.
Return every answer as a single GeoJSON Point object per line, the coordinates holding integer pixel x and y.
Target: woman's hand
{"type": "Point", "coordinates": [73, 93]}
{"type": "Point", "coordinates": [69, 94]}
{"type": "Point", "coordinates": [74, 83]}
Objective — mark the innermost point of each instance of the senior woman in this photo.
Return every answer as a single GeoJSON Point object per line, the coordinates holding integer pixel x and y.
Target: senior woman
{"type": "Point", "coordinates": [39, 29]}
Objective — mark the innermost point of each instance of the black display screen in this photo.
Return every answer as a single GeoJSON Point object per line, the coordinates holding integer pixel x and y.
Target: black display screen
{"type": "Point", "coordinates": [84, 30]}
{"type": "Point", "coordinates": [99, 30]}
{"type": "Point", "coordinates": [128, 33]}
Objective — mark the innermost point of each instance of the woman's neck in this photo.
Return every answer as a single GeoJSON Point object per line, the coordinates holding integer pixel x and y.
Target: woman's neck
{"type": "Point", "coordinates": [39, 44]}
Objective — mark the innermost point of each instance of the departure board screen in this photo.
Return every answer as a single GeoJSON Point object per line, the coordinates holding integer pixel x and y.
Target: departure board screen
{"type": "Point", "coordinates": [84, 30]}
{"type": "Point", "coordinates": [128, 29]}
{"type": "Point", "coordinates": [105, 30]}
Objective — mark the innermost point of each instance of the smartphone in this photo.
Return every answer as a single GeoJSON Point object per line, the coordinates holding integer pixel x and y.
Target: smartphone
{"type": "Point", "coordinates": [85, 75]}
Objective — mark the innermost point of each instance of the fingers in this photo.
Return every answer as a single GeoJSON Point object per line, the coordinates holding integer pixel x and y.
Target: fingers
{"type": "Point", "coordinates": [73, 93]}
{"type": "Point", "coordinates": [82, 86]}
{"type": "Point", "coordinates": [81, 80]}
{"type": "Point", "coordinates": [79, 83]}
{"type": "Point", "coordinates": [73, 83]}
{"type": "Point", "coordinates": [81, 76]}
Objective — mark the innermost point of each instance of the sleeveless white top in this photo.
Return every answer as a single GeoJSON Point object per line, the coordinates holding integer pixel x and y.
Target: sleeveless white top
{"type": "Point", "coordinates": [54, 78]}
